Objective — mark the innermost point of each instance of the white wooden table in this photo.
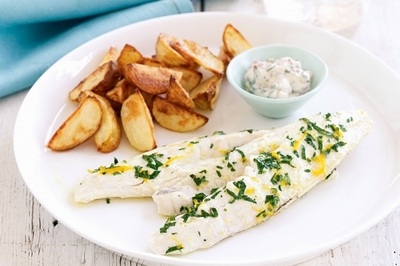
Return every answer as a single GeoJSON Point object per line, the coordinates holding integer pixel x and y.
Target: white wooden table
{"type": "Point", "coordinates": [29, 235]}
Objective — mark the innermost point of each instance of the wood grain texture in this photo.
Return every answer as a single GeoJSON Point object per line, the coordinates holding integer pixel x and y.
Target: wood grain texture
{"type": "Point", "coordinates": [29, 235]}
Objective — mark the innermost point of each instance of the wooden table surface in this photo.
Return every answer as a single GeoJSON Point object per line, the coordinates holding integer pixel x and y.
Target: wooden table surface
{"type": "Point", "coordinates": [29, 235]}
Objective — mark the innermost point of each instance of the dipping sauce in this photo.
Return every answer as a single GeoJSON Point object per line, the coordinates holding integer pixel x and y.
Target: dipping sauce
{"type": "Point", "coordinates": [277, 78]}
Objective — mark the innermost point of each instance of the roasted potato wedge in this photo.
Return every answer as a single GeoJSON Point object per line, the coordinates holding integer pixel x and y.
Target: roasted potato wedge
{"type": "Point", "coordinates": [137, 123]}
{"type": "Point", "coordinates": [108, 136]}
{"type": "Point", "coordinates": [153, 80]}
{"type": "Point", "coordinates": [234, 41]}
{"type": "Point", "coordinates": [129, 54]}
{"type": "Point", "coordinates": [190, 77]}
{"type": "Point", "coordinates": [201, 55]}
{"type": "Point", "coordinates": [100, 81]}
{"type": "Point", "coordinates": [206, 94]}
{"type": "Point", "coordinates": [177, 94]}
{"type": "Point", "coordinates": [176, 117]}
{"type": "Point", "coordinates": [121, 91]}
{"type": "Point", "coordinates": [224, 56]}
{"type": "Point", "coordinates": [167, 55]}
{"type": "Point", "coordinates": [79, 126]}
{"type": "Point", "coordinates": [150, 61]}
{"type": "Point", "coordinates": [111, 55]}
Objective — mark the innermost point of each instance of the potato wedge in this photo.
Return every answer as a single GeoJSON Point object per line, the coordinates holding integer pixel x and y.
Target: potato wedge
{"type": "Point", "coordinates": [137, 123]}
{"type": "Point", "coordinates": [121, 91]}
{"type": "Point", "coordinates": [150, 61]}
{"type": "Point", "coordinates": [167, 55]}
{"type": "Point", "coordinates": [234, 41]}
{"type": "Point", "coordinates": [153, 80]}
{"type": "Point", "coordinates": [224, 56]}
{"type": "Point", "coordinates": [206, 94]}
{"type": "Point", "coordinates": [177, 94]}
{"type": "Point", "coordinates": [129, 54]}
{"type": "Point", "coordinates": [190, 77]}
{"type": "Point", "coordinates": [176, 117]}
{"type": "Point", "coordinates": [108, 136]}
{"type": "Point", "coordinates": [79, 126]}
{"type": "Point", "coordinates": [201, 55]}
{"type": "Point", "coordinates": [111, 55]}
{"type": "Point", "coordinates": [100, 81]}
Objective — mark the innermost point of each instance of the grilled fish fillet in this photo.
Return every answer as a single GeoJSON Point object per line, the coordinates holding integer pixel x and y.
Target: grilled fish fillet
{"type": "Point", "coordinates": [144, 174]}
{"type": "Point", "coordinates": [311, 149]}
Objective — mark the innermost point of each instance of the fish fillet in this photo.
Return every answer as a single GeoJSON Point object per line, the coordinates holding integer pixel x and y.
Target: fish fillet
{"type": "Point", "coordinates": [144, 174]}
{"type": "Point", "coordinates": [311, 149]}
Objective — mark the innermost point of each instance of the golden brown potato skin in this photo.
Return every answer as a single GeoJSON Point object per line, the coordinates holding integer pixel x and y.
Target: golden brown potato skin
{"type": "Point", "coordinates": [100, 81]}
{"type": "Point", "coordinates": [138, 123]}
{"type": "Point", "coordinates": [234, 42]}
{"type": "Point", "coordinates": [79, 126]}
{"type": "Point", "coordinates": [153, 80]}
{"type": "Point", "coordinates": [176, 117]}
{"type": "Point", "coordinates": [108, 136]}
{"type": "Point", "coordinates": [206, 94]}
{"type": "Point", "coordinates": [177, 94]}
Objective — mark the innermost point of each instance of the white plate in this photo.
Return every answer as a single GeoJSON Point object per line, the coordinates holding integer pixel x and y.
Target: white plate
{"type": "Point", "coordinates": [329, 215]}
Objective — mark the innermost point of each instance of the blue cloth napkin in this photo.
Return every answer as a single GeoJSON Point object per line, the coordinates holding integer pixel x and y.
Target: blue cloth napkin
{"type": "Point", "coordinates": [34, 34]}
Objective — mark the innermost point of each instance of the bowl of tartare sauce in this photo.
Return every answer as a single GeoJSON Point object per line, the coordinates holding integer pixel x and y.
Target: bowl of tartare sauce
{"type": "Point", "coordinates": [276, 80]}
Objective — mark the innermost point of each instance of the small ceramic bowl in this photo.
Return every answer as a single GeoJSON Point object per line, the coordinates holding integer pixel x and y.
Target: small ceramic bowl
{"type": "Point", "coordinates": [276, 108]}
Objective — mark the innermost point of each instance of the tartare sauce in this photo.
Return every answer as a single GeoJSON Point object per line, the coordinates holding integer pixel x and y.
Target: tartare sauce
{"type": "Point", "coordinates": [277, 78]}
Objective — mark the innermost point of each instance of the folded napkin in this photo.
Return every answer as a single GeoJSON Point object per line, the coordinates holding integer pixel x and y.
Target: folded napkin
{"type": "Point", "coordinates": [34, 34]}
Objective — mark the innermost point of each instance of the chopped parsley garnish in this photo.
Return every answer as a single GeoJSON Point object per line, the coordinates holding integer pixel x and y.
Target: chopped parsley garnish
{"type": "Point", "coordinates": [268, 161]}
{"type": "Point", "coordinates": [140, 173]}
{"type": "Point", "coordinates": [152, 161]}
{"type": "Point", "coordinates": [265, 161]}
{"type": "Point", "coordinates": [334, 147]}
{"type": "Point", "coordinates": [218, 133]}
{"type": "Point", "coordinates": [241, 185]}
{"type": "Point", "coordinates": [309, 139]}
{"type": "Point", "coordinates": [214, 193]}
{"type": "Point", "coordinates": [198, 180]}
{"type": "Point", "coordinates": [199, 197]}
{"type": "Point", "coordinates": [280, 180]}
{"type": "Point", "coordinates": [213, 213]}
{"type": "Point", "coordinates": [273, 200]}
{"type": "Point", "coordinates": [170, 222]}
{"type": "Point", "coordinates": [230, 166]}
{"type": "Point", "coordinates": [312, 125]}
{"type": "Point", "coordinates": [242, 155]}
{"type": "Point", "coordinates": [113, 169]}
{"type": "Point", "coordinates": [303, 153]}
{"type": "Point", "coordinates": [328, 116]}
{"type": "Point", "coordinates": [174, 248]}
{"type": "Point", "coordinates": [192, 211]}
{"type": "Point", "coordinates": [320, 143]}
{"type": "Point", "coordinates": [218, 173]}
{"type": "Point", "coordinates": [285, 159]}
